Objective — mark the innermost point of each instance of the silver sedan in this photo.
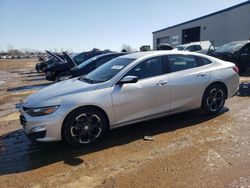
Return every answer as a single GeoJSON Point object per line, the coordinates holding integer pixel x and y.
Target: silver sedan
{"type": "Point", "coordinates": [128, 89]}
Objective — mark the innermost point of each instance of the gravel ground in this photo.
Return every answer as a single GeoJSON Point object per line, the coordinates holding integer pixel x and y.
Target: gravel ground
{"type": "Point", "coordinates": [188, 150]}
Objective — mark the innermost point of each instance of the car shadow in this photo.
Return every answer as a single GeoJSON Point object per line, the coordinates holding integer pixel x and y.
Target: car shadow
{"type": "Point", "coordinates": [18, 154]}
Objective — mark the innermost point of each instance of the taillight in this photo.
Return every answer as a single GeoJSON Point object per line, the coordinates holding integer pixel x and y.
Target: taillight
{"type": "Point", "coordinates": [236, 69]}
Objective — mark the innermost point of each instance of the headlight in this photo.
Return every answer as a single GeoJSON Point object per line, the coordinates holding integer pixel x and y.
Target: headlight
{"type": "Point", "coordinates": [42, 111]}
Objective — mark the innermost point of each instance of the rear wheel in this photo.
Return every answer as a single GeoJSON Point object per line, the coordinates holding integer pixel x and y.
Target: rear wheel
{"type": "Point", "coordinates": [214, 99]}
{"type": "Point", "coordinates": [84, 126]}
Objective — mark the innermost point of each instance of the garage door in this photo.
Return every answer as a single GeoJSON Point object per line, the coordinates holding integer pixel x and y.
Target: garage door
{"type": "Point", "coordinates": [163, 40]}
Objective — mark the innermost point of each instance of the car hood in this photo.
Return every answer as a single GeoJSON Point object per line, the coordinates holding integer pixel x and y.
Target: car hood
{"type": "Point", "coordinates": [53, 94]}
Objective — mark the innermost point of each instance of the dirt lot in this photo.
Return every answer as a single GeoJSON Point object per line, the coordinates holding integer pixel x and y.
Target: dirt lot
{"type": "Point", "coordinates": [189, 149]}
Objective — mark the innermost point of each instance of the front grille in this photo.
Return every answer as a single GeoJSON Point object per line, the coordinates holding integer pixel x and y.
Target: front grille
{"type": "Point", "coordinates": [23, 120]}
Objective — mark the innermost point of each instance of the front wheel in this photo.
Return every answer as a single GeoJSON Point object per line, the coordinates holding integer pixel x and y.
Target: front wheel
{"type": "Point", "coordinates": [214, 99]}
{"type": "Point", "coordinates": [84, 126]}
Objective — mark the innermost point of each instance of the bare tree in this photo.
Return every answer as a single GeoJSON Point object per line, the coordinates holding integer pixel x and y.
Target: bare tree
{"type": "Point", "coordinates": [127, 48]}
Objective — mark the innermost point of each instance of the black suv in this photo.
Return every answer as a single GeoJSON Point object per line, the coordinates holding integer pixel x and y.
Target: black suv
{"type": "Point", "coordinates": [88, 66]}
{"type": "Point", "coordinates": [54, 71]}
{"type": "Point", "coordinates": [41, 66]}
{"type": "Point", "coordinates": [237, 52]}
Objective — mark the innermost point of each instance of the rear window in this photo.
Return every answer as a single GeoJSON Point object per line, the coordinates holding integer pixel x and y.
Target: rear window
{"type": "Point", "coordinates": [202, 61]}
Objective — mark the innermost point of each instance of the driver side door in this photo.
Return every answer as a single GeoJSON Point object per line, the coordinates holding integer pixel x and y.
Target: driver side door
{"type": "Point", "coordinates": [146, 98]}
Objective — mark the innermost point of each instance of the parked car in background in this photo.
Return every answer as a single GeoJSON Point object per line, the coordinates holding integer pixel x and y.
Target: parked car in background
{"type": "Point", "coordinates": [88, 66]}
{"type": "Point", "coordinates": [53, 58]}
{"type": "Point", "coordinates": [237, 52]}
{"type": "Point", "coordinates": [54, 71]}
{"type": "Point", "coordinates": [128, 89]}
{"type": "Point", "coordinates": [164, 46]}
{"type": "Point", "coordinates": [201, 47]}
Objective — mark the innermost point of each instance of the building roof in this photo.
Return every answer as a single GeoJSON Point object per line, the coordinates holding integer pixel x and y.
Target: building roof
{"type": "Point", "coordinates": [202, 17]}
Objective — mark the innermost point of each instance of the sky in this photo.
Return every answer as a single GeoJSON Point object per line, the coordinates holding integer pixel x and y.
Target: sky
{"type": "Point", "coordinates": [79, 25]}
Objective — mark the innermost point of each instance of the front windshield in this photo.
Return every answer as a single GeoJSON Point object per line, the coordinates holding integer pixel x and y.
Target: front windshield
{"type": "Point", "coordinates": [181, 48]}
{"type": "Point", "coordinates": [230, 47]}
{"type": "Point", "coordinates": [108, 70]}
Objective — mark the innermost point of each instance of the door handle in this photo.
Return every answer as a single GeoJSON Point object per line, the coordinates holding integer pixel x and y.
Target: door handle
{"type": "Point", "coordinates": [162, 83]}
{"type": "Point", "coordinates": [202, 74]}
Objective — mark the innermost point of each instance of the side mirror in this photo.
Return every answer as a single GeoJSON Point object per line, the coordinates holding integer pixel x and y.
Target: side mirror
{"type": "Point", "coordinates": [128, 79]}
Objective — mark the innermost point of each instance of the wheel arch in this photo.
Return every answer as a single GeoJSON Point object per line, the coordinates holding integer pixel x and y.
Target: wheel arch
{"type": "Point", "coordinates": [217, 83]}
{"type": "Point", "coordinates": [80, 107]}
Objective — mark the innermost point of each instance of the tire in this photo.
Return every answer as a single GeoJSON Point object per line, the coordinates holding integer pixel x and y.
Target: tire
{"type": "Point", "coordinates": [38, 68]}
{"type": "Point", "coordinates": [84, 126]}
{"type": "Point", "coordinates": [213, 99]}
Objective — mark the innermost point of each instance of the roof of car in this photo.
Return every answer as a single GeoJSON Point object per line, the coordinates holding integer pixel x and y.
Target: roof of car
{"type": "Point", "coordinates": [138, 55]}
{"type": "Point", "coordinates": [112, 53]}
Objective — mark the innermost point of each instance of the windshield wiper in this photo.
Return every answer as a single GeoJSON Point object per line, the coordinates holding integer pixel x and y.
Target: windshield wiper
{"type": "Point", "coordinates": [88, 80]}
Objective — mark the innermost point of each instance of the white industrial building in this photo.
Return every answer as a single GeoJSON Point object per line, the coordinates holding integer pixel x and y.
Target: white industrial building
{"type": "Point", "coordinates": [221, 27]}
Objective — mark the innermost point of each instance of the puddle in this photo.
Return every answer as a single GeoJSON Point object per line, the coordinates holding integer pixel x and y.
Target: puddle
{"type": "Point", "coordinates": [18, 154]}
{"type": "Point", "coordinates": [26, 88]}
{"type": "Point", "coordinates": [18, 71]}
{"type": "Point", "coordinates": [35, 75]}
{"type": "Point", "coordinates": [27, 73]}
{"type": "Point", "coordinates": [35, 79]}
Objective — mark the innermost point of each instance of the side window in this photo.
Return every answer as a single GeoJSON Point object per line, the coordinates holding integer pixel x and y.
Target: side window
{"type": "Point", "coordinates": [181, 62]}
{"type": "Point", "coordinates": [148, 68]}
{"type": "Point", "coordinates": [90, 67]}
{"type": "Point", "coordinates": [100, 61]}
{"type": "Point", "coordinates": [194, 48]}
{"type": "Point", "coordinates": [202, 61]}
{"type": "Point", "coordinates": [105, 59]}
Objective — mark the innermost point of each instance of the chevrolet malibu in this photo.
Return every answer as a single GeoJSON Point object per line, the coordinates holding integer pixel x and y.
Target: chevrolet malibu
{"type": "Point", "coordinates": [128, 89]}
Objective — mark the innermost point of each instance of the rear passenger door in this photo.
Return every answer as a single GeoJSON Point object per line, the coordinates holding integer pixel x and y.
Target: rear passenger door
{"type": "Point", "coordinates": [188, 78]}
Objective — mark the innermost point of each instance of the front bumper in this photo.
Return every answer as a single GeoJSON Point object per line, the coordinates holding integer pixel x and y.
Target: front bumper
{"type": "Point", "coordinates": [45, 128]}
